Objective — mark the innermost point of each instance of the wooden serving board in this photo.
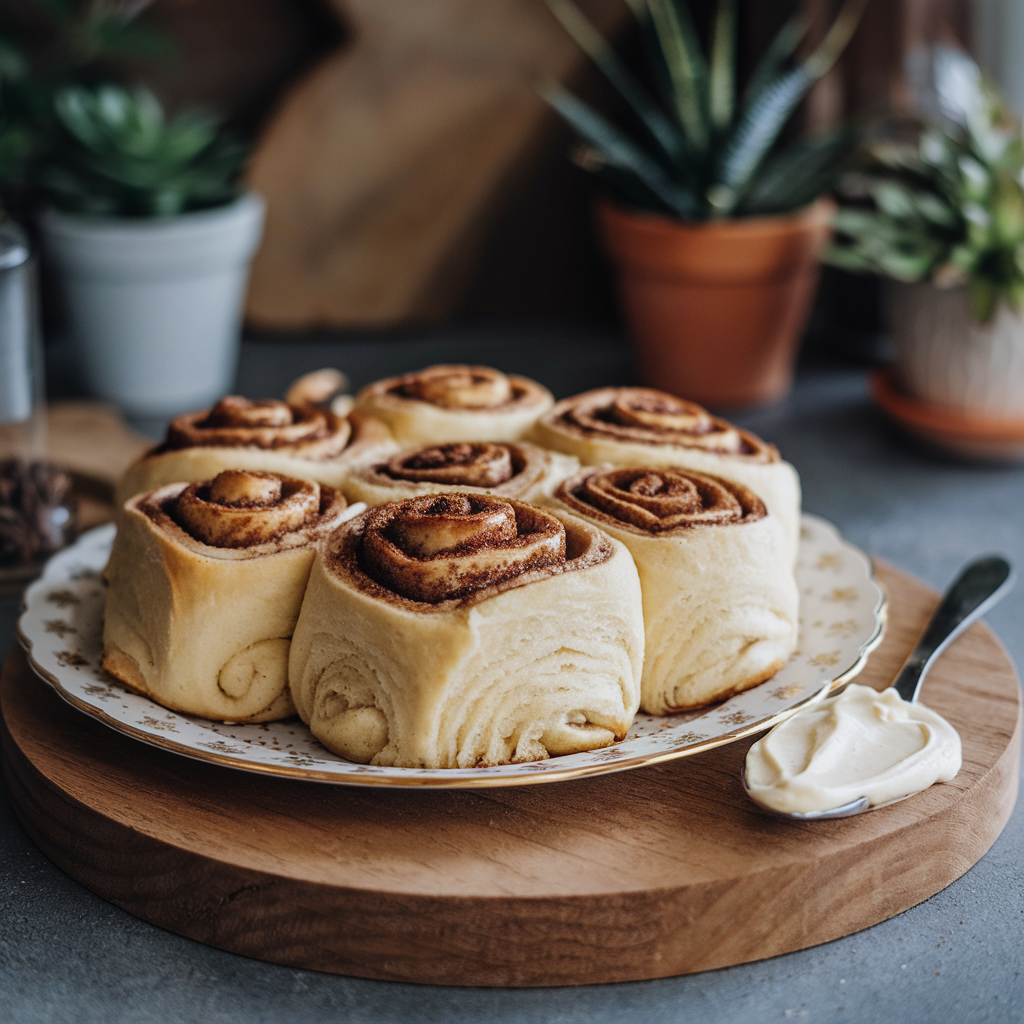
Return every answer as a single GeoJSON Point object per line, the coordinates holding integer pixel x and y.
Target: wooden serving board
{"type": "Point", "coordinates": [658, 871]}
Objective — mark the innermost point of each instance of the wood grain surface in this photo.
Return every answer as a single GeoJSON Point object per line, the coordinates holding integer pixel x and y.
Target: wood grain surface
{"type": "Point", "coordinates": [658, 871]}
{"type": "Point", "coordinates": [384, 168]}
{"type": "Point", "coordinates": [91, 440]}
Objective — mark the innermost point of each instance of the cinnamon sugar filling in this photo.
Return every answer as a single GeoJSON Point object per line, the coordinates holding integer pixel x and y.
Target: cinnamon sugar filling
{"type": "Point", "coordinates": [240, 509]}
{"type": "Point", "coordinates": [235, 422]}
{"type": "Point", "coordinates": [461, 464]}
{"type": "Point", "coordinates": [459, 387]}
{"type": "Point", "coordinates": [648, 416]}
{"type": "Point", "coordinates": [660, 500]}
{"type": "Point", "coordinates": [440, 548]}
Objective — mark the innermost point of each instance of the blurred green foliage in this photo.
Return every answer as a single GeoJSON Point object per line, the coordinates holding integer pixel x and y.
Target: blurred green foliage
{"type": "Point", "coordinates": [702, 148]}
{"type": "Point", "coordinates": [70, 138]}
{"type": "Point", "coordinates": [948, 209]}
{"type": "Point", "coordinates": [115, 154]}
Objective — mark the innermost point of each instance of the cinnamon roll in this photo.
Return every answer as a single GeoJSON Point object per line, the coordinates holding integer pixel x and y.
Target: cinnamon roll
{"type": "Point", "coordinates": [516, 470]}
{"type": "Point", "coordinates": [452, 630]}
{"type": "Point", "coordinates": [268, 435]}
{"type": "Point", "coordinates": [206, 581]}
{"type": "Point", "coordinates": [456, 403]}
{"type": "Point", "coordinates": [719, 595]}
{"type": "Point", "coordinates": [644, 427]}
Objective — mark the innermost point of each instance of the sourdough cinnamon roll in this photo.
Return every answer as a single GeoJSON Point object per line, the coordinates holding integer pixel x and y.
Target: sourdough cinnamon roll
{"type": "Point", "coordinates": [452, 630]}
{"type": "Point", "coordinates": [644, 427]}
{"type": "Point", "coordinates": [206, 581]}
{"type": "Point", "coordinates": [302, 441]}
{"type": "Point", "coordinates": [456, 403]}
{"type": "Point", "coordinates": [512, 470]}
{"type": "Point", "coordinates": [719, 595]}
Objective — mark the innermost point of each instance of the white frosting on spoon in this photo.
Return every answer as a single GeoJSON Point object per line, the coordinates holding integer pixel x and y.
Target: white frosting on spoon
{"type": "Point", "coordinates": [860, 743]}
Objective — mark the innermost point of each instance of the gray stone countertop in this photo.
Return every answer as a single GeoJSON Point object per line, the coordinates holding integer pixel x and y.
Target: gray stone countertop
{"type": "Point", "coordinates": [69, 956]}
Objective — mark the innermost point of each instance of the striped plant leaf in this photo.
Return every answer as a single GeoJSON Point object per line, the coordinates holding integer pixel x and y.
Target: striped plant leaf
{"type": "Point", "coordinates": [762, 121]}
{"type": "Point", "coordinates": [687, 69]}
{"type": "Point", "coordinates": [614, 149]}
{"type": "Point", "coordinates": [587, 37]}
{"type": "Point", "coordinates": [798, 174]}
{"type": "Point", "coordinates": [722, 76]}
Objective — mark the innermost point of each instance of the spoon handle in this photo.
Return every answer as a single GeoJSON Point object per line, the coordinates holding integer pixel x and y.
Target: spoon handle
{"type": "Point", "coordinates": [978, 588]}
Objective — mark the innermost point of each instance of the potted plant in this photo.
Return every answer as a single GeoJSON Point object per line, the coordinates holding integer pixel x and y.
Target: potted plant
{"type": "Point", "coordinates": [152, 237]}
{"type": "Point", "coordinates": [943, 219]}
{"type": "Point", "coordinates": [713, 224]}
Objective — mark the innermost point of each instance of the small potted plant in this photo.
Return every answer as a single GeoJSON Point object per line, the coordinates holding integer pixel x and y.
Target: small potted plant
{"type": "Point", "coordinates": [714, 224]}
{"type": "Point", "coordinates": [152, 237]}
{"type": "Point", "coordinates": [943, 219]}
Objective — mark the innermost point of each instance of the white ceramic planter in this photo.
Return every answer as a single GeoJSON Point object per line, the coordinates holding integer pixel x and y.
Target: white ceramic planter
{"type": "Point", "coordinates": [155, 304]}
{"type": "Point", "coordinates": [945, 358]}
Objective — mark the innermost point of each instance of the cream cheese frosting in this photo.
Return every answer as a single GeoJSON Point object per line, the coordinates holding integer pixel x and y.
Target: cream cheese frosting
{"type": "Point", "coordinates": [861, 743]}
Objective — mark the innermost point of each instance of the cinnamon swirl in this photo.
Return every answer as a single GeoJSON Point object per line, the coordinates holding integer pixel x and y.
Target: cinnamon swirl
{"type": "Point", "coordinates": [297, 440]}
{"type": "Point", "coordinates": [644, 427]}
{"type": "Point", "coordinates": [719, 595]}
{"type": "Point", "coordinates": [452, 630]}
{"type": "Point", "coordinates": [456, 403]}
{"type": "Point", "coordinates": [515, 470]}
{"type": "Point", "coordinates": [206, 581]}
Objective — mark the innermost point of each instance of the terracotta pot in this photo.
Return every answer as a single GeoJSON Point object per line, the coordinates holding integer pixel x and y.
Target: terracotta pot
{"type": "Point", "coordinates": [715, 310]}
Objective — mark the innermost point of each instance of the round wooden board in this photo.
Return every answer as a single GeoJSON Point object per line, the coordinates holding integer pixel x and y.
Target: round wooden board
{"type": "Point", "coordinates": [653, 872]}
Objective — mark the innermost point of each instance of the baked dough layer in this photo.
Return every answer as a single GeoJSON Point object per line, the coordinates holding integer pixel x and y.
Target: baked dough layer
{"type": "Point", "coordinates": [456, 403]}
{"type": "Point", "coordinates": [645, 427]}
{"type": "Point", "coordinates": [719, 596]}
{"type": "Point", "coordinates": [205, 628]}
{"type": "Point", "coordinates": [323, 454]}
{"type": "Point", "coordinates": [542, 663]}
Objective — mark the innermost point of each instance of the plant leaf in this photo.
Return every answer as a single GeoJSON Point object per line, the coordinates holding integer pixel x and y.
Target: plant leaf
{"type": "Point", "coordinates": [687, 69]}
{"type": "Point", "coordinates": [722, 80]}
{"type": "Point", "coordinates": [799, 173]}
{"type": "Point", "coordinates": [617, 150]}
{"type": "Point", "coordinates": [596, 47]}
{"type": "Point", "coordinates": [781, 48]}
{"type": "Point", "coordinates": [763, 120]}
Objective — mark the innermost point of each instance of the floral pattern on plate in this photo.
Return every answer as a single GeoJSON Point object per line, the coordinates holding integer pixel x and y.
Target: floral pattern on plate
{"type": "Point", "coordinates": [841, 620]}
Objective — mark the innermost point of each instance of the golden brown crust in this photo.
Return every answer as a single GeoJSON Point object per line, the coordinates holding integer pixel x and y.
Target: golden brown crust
{"type": "Point", "coordinates": [440, 551]}
{"type": "Point", "coordinates": [460, 387]}
{"type": "Point", "coordinates": [240, 509]}
{"type": "Point", "coordinates": [302, 430]}
{"type": "Point", "coordinates": [650, 417]}
{"type": "Point", "coordinates": [659, 500]}
{"type": "Point", "coordinates": [296, 512]}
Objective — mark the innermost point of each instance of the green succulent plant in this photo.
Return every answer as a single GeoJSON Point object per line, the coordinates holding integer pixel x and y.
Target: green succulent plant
{"type": "Point", "coordinates": [948, 209]}
{"type": "Point", "coordinates": [45, 46]}
{"type": "Point", "coordinates": [117, 155]}
{"type": "Point", "coordinates": [705, 149]}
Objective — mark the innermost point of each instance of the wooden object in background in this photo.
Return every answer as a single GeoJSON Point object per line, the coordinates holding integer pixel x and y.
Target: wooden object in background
{"type": "Point", "coordinates": [95, 445]}
{"type": "Point", "coordinates": [659, 871]}
{"type": "Point", "coordinates": [91, 440]}
{"type": "Point", "coordinates": [385, 166]}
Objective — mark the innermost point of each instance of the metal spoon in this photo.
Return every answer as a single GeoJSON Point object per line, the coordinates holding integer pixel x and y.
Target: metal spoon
{"type": "Point", "coordinates": [980, 586]}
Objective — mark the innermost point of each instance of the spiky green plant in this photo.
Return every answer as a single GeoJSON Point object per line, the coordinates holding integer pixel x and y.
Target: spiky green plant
{"type": "Point", "coordinates": [117, 155]}
{"type": "Point", "coordinates": [703, 149]}
{"type": "Point", "coordinates": [950, 209]}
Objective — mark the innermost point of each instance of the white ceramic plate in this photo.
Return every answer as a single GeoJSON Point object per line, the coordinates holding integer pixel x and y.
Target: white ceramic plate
{"type": "Point", "coordinates": [841, 622]}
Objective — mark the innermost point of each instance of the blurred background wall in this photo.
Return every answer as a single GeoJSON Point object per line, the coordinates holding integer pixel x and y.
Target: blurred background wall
{"type": "Point", "coordinates": [414, 176]}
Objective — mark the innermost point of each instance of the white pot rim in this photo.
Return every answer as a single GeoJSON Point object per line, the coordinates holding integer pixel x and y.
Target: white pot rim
{"type": "Point", "coordinates": [60, 222]}
{"type": "Point", "coordinates": [121, 250]}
